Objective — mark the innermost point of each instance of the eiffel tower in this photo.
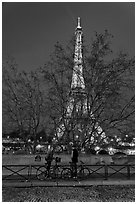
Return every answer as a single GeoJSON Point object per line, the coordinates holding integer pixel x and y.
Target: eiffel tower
{"type": "Point", "coordinates": [75, 126]}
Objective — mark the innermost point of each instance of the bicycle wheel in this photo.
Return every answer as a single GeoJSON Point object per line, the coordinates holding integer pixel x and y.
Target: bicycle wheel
{"type": "Point", "coordinates": [41, 173]}
{"type": "Point", "coordinates": [84, 173]}
{"type": "Point", "coordinates": [66, 173]}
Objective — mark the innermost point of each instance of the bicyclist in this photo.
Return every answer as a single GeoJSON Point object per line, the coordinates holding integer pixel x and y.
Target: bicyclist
{"type": "Point", "coordinates": [74, 158]}
{"type": "Point", "coordinates": [49, 157]}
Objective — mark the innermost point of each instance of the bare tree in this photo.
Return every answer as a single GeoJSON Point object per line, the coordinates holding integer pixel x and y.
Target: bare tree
{"type": "Point", "coordinates": [109, 93]}
{"type": "Point", "coordinates": [110, 88]}
{"type": "Point", "coordinates": [41, 99]}
{"type": "Point", "coordinates": [22, 100]}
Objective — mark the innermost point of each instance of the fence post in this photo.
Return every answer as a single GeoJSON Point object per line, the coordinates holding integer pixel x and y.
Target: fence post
{"type": "Point", "coordinates": [56, 176]}
{"type": "Point", "coordinates": [29, 173]}
{"type": "Point", "coordinates": [106, 171]}
{"type": "Point", "coordinates": [128, 171]}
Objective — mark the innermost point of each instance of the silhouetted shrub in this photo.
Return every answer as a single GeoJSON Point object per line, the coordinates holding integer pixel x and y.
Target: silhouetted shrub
{"type": "Point", "coordinates": [104, 152]}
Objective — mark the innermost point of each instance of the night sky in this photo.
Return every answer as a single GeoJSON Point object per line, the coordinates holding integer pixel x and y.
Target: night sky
{"type": "Point", "coordinates": [30, 30]}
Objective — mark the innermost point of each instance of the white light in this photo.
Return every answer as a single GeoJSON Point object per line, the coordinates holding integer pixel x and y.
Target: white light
{"type": "Point", "coordinates": [118, 139]}
{"type": "Point", "coordinates": [110, 148]}
{"type": "Point", "coordinates": [97, 148]}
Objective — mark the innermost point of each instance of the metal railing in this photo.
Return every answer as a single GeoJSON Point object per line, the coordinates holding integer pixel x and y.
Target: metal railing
{"type": "Point", "coordinates": [28, 172]}
{"type": "Point", "coordinates": [15, 172]}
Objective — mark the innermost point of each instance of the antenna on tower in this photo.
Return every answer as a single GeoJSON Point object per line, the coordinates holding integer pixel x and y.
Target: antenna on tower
{"type": "Point", "coordinates": [78, 26]}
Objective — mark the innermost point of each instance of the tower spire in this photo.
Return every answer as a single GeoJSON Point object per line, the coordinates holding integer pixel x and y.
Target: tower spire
{"type": "Point", "coordinates": [77, 77]}
{"type": "Point", "coordinates": [72, 125]}
{"type": "Point", "coordinates": [78, 26]}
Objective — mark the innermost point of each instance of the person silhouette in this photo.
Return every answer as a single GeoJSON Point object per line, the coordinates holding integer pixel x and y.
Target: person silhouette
{"type": "Point", "coordinates": [74, 158]}
{"type": "Point", "coordinates": [49, 158]}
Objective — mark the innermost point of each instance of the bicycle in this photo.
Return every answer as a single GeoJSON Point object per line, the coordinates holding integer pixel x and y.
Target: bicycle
{"type": "Point", "coordinates": [82, 171]}
{"type": "Point", "coordinates": [55, 170]}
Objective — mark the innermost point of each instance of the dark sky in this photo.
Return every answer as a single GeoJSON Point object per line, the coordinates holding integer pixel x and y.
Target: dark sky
{"type": "Point", "coordinates": [30, 30]}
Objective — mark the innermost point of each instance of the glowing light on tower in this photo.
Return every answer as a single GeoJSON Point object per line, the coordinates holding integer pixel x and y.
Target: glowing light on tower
{"type": "Point", "coordinates": [77, 107]}
{"type": "Point", "coordinates": [77, 77]}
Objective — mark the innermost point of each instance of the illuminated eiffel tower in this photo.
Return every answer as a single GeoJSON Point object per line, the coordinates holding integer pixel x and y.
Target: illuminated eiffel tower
{"type": "Point", "coordinates": [75, 126]}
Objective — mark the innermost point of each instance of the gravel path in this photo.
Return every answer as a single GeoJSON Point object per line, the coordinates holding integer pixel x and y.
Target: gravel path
{"type": "Point", "coordinates": [70, 194]}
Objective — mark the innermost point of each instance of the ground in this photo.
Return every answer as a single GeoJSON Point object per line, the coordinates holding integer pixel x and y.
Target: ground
{"type": "Point", "coordinates": [70, 194]}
